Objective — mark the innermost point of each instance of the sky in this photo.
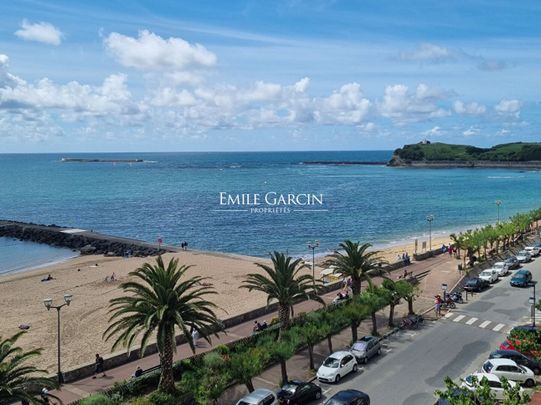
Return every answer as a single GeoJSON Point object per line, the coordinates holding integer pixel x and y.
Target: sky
{"type": "Point", "coordinates": [261, 75]}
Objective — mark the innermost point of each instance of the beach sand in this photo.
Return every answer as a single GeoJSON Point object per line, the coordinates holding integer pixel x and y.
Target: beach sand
{"type": "Point", "coordinates": [85, 320]}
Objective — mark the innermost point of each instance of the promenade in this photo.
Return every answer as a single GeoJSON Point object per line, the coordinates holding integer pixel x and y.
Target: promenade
{"type": "Point", "coordinates": [438, 270]}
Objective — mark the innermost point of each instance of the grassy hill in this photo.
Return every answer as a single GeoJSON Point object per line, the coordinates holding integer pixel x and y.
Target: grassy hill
{"type": "Point", "coordinates": [433, 152]}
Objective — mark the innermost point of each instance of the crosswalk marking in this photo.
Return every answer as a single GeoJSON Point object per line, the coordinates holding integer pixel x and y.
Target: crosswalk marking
{"type": "Point", "coordinates": [459, 318]}
{"type": "Point", "coordinates": [485, 324]}
{"type": "Point", "coordinates": [471, 321]}
{"type": "Point", "coordinates": [449, 314]}
{"type": "Point", "coordinates": [498, 327]}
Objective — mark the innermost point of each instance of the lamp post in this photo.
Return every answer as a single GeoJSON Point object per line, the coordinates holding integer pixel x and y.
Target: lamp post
{"type": "Point", "coordinates": [313, 245]}
{"type": "Point", "coordinates": [429, 219]}
{"type": "Point", "coordinates": [532, 301]}
{"type": "Point", "coordinates": [498, 203]}
{"type": "Point", "coordinates": [48, 302]}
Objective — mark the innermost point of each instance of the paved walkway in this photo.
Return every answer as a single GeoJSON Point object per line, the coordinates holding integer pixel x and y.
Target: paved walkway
{"type": "Point", "coordinates": [442, 269]}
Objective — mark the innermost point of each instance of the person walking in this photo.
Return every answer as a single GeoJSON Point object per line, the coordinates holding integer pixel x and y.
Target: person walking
{"type": "Point", "coordinates": [437, 305]}
{"type": "Point", "coordinates": [99, 366]}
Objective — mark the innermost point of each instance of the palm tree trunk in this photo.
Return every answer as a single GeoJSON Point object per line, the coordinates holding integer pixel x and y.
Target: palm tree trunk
{"type": "Point", "coordinates": [374, 324]}
{"type": "Point", "coordinates": [283, 315]}
{"type": "Point", "coordinates": [250, 385]}
{"type": "Point", "coordinates": [354, 331]}
{"type": "Point", "coordinates": [356, 286]}
{"type": "Point", "coordinates": [283, 368]}
{"type": "Point", "coordinates": [329, 342]}
{"type": "Point", "coordinates": [311, 356]}
{"type": "Point", "coordinates": [410, 306]}
{"type": "Point", "coordinates": [391, 315]}
{"type": "Point", "coordinates": [167, 382]}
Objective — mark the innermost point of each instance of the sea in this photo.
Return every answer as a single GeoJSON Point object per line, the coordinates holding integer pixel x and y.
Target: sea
{"type": "Point", "coordinates": [208, 200]}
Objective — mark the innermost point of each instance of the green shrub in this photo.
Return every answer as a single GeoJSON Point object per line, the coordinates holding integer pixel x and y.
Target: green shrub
{"type": "Point", "coordinates": [100, 399]}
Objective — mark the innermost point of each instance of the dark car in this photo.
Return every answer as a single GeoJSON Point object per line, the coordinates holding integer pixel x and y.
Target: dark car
{"type": "Point", "coordinates": [518, 358]}
{"type": "Point", "coordinates": [348, 397]}
{"type": "Point", "coordinates": [476, 284]}
{"type": "Point", "coordinates": [521, 278]}
{"type": "Point", "coordinates": [512, 262]}
{"type": "Point", "coordinates": [298, 392]}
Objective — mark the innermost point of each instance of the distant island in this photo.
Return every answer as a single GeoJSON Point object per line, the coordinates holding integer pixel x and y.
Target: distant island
{"type": "Point", "coordinates": [81, 160]}
{"type": "Point", "coordinates": [436, 154]}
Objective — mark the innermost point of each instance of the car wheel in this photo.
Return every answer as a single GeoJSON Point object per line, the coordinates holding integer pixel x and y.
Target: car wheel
{"type": "Point", "coordinates": [365, 359]}
{"type": "Point", "coordinates": [318, 395]}
{"type": "Point", "coordinates": [337, 378]}
{"type": "Point", "coordinates": [379, 350]}
{"type": "Point", "coordinates": [529, 383]}
{"type": "Point", "coordinates": [355, 368]}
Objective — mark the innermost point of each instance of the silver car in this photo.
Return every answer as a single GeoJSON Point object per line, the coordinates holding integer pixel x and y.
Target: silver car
{"type": "Point", "coordinates": [366, 348]}
{"type": "Point", "coordinates": [260, 396]}
{"type": "Point", "coordinates": [524, 257]}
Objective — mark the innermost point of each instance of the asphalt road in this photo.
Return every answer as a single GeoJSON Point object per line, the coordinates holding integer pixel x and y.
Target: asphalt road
{"type": "Point", "coordinates": [414, 363]}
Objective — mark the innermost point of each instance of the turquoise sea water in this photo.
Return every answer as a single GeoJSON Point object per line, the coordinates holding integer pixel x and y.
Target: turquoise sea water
{"type": "Point", "coordinates": [176, 196]}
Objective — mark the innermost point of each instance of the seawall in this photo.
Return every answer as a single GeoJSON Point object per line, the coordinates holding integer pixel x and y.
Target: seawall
{"type": "Point", "coordinates": [85, 241]}
{"type": "Point", "coordinates": [469, 164]}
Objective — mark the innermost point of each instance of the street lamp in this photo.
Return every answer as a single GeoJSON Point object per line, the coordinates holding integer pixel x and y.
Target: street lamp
{"type": "Point", "coordinates": [48, 302]}
{"type": "Point", "coordinates": [313, 245]}
{"type": "Point", "coordinates": [532, 301]}
{"type": "Point", "coordinates": [498, 203]}
{"type": "Point", "coordinates": [429, 219]}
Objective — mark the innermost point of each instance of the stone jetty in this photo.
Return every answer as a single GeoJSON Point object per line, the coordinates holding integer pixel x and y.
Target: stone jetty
{"type": "Point", "coordinates": [85, 241]}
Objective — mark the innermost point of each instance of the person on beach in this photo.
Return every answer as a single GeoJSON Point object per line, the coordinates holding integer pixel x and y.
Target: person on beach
{"type": "Point", "coordinates": [99, 366]}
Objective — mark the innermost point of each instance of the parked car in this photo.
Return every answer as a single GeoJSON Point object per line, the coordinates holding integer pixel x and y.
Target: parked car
{"type": "Point", "coordinates": [476, 284]}
{"type": "Point", "coordinates": [336, 366]}
{"type": "Point", "coordinates": [472, 381]}
{"type": "Point", "coordinates": [456, 393]}
{"type": "Point", "coordinates": [518, 358]}
{"type": "Point", "coordinates": [524, 257]}
{"type": "Point", "coordinates": [260, 396]}
{"type": "Point", "coordinates": [510, 370]}
{"type": "Point", "coordinates": [512, 263]}
{"type": "Point", "coordinates": [366, 348]}
{"type": "Point", "coordinates": [533, 250]}
{"type": "Point", "coordinates": [298, 392]}
{"type": "Point", "coordinates": [521, 278]}
{"type": "Point", "coordinates": [489, 275]}
{"type": "Point", "coordinates": [501, 268]}
{"type": "Point", "coordinates": [348, 397]}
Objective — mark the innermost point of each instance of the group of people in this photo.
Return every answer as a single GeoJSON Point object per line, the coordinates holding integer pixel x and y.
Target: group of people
{"type": "Point", "coordinates": [404, 257]}
{"type": "Point", "coordinates": [184, 245]}
{"type": "Point", "coordinates": [258, 327]}
{"type": "Point", "coordinates": [110, 279]}
{"type": "Point", "coordinates": [449, 249]}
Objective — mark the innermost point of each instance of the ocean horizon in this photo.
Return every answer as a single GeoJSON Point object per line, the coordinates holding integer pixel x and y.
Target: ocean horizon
{"type": "Point", "coordinates": [180, 196]}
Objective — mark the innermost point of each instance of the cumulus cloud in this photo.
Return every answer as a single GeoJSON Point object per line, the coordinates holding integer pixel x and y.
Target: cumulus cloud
{"type": "Point", "coordinates": [427, 52]}
{"type": "Point", "coordinates": [469, 109]}
{"type": "Point", "coordinates": [346, 106]}
{"type": "Point", "coordinates": [150, 52]}
{"type": "Point", "coordinates": [40, 32]}
{"type": "Point", "coordinates": [508, 107]}
{"type": "Point", "coordinates": [434, 132]}
{"type": "Point", "coordinates": [471, 131]}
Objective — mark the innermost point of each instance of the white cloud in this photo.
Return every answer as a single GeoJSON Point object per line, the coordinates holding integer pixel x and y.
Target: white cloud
{"type": "Point", "coordinates": [150, 52]}
{"type": "Point", "coordinates": [302, 85]}
{"type": "Point", "coordinates": [434, 132]}
{"type": "Point", "coordinates": [493, 65]}
{"type": "Point", "coordinates": [503, 132]}
{"type": "Point", "coordinates": [345, 106]}
{"type": "Point", "coordinates": [508, 107]}
{"type": "Point", "coordinates": [40, 32]}
{"type": "Point", "coordinates": [428, 53]}
{"type": "Point", "coordinates": [3, 60]}
{"type": "Point", "coordinates": [470, 109]}
{"type": "Point", "coordinates": [471, 131]}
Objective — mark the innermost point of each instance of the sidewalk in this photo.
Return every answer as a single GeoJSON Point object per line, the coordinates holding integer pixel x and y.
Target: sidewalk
{"type": "Point", "coordinates": [443, 269]}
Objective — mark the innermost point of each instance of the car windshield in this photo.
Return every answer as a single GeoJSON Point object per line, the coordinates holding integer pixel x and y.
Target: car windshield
{"type": "Point", "coordinates": [359, 346]}
{"type": "Point", "coordinates": [499, 265]}
{"type": "Point", "coordinates": [488, 366]}
{"type": "Point", "coordinates": [244, 403]}
{"type": "Point", "coordinates": [291, 388]}
{"type": "Point", "coordinates": [472, 281]}
{"type": "Point", "coordinates": [469, 380]}
{"type": "Point", "coordinates": [334, 402]}
{"type": "Point", "coordinates": [522, 253]}
{"type": "Point", "coordinates": [331, 362]}
{"type": "Point", "coordinates": [519, 276]}
{"type": "Point", "coordinates": [486, 273]}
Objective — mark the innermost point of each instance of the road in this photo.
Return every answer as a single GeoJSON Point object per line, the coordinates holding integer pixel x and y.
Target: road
{"type": "Point", "coordinates": [414, 363]}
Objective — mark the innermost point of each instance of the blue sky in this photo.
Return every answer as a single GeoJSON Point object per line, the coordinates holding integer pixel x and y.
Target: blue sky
{"type": "Point", "coordinates": [266, 75]}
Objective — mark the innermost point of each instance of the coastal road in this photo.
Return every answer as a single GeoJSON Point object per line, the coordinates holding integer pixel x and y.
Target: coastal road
{"type": "Point", "coordinates": [415, 363]}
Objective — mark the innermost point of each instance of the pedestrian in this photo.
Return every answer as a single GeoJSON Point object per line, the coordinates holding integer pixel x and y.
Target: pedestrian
{"type": "Point", "coordinates": [405, 273]}
{"type": "Point", "coordinates": [437, 305]}
{"type": "Point", "coordinates": [138, 372]}
{"type": "Point", "coordinates": [195, 336]}
{"type": "Point", "coordinates": [99, 366]}
{"type": "Point", "coordinates": [45, 396]}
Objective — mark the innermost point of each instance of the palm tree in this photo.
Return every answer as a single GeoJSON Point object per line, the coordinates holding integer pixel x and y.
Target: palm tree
{"type": "Point", "coordinates": [282, 283]}
{"type": "Point", "coordinates": [161, 299]}
{"type": "Point", "coordinates": [16, 378]}
{"type": "Point", "coordinates": [356, 262]}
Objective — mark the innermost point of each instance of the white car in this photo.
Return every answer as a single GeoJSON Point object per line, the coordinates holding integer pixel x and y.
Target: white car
{"type": "Point", "coordinates": [489, 275]}
{"type": "Point", "coordinates": [501, 267]}
{"type": "Point", "coordinates": [524, 257]}
{"type": "Point", "coordinates": [493, 381]}
{"type": "Point", "coordinates": [336, 366]}
{"type": "Point", "coordinates": [509, 369]}
{"type": "Point", "coordinates": [533, 250]}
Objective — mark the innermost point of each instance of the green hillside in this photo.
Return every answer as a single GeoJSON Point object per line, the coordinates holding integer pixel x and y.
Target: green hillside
{"type": "Point", "coordinates": [509, 152]}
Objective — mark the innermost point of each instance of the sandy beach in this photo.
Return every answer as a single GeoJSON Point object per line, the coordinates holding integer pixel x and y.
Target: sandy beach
{"type": "Point", "coordinates": [84, 321]}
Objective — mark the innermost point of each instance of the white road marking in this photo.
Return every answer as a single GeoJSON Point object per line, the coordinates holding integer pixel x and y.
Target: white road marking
{"type": "Point", "coordinates": [325, 391]}
{"type": "Point", "coordinates": [448, 315]}
{"type": "Point", "coordinates": [459, 318]}
{"type": "Point", "coordinates": [388, 350]}
{"type": "Point", "coordinates": [485, 324]}
{"type": "Point", "coordinates": [471, 321]}
{"type": "Point", "coordinates": [266, 381]}
{"type": "Point", "coordinates": [498, 327]}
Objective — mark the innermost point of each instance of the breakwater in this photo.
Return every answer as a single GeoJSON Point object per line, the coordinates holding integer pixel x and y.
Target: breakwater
{"type": "Point", "coordinates": [444, 164]}
{"type": "Point", "coordinates": [85, 241]}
